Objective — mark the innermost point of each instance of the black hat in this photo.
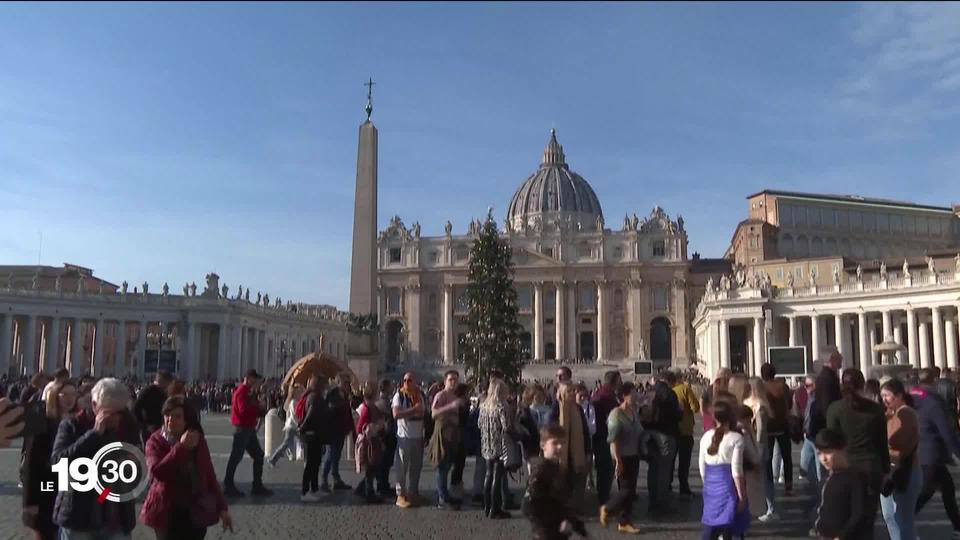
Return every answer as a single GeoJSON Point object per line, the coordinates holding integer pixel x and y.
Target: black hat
{"type": "Point", "coordinates": [253, 373]}
{"type": "Point", "coordinates": [829, 439]}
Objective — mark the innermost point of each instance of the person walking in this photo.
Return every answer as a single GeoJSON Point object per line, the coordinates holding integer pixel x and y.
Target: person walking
{"type": "Point", "coordinates": [149, 403]}
{"type": "Point", "coordinates": [35, 470]}
{"type": "Point", "coordinates": [245, 411]}
{"type": "Point", "coordinates": [446, 440]}
{"type": "Point", "coordinates": [863, 424]}
{"type": "Point", "coordinates": [660, 415]}
{"type": "Point", "coordinates": [341, 427]}
{"type": "Point", "coordinates": [689, 407]}
{"type": "Point", "coordinates": [726, 511]}
{"type": "Point", "coordinates": [590, 414]}
{"type": "Point", "coordinates": [780, 402]}
{"type": "Point", "coordinates": [389, 440]}
{"type": "Point", "coordinates": [290, 429]}
{"type": "Point", "coordinates": [409, 409]}
{"type": "Point", "coordinates": [573, 460]}
{"type": "Point", "coordinates": [184, 498]}
{"type": "Point", "coordinates": [844, 491]}
{"type": "Point", "coordinates": [494, 440]}
{"type": "Point", "coordinates": [546, 501]}
{"type": "Point", "coordinates": [313, 427]}
{"type": "Point", "coordinates": [604, 401]}
{"type": "Point", "coordinates": [899, 496]}
{"type": "Point", "coordinates": [757, 401]}
{"type": "Point", "coordinates": [370, 446]}
{"type": "Point", "coordinates": [939, 441]}
{"type": "Point", "coordinates": [624, 432]}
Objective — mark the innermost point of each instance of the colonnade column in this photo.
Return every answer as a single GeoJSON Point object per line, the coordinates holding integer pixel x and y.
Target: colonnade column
{"type": "Point", "coordinates": [29, 348]}
{"type": "Point", "coordinates": [794, 334]}
{"type": "Point", "coordinates": [950, 329]}
{"type": "Point", "coordinates": [937, 317]}
{"type": "Point", "coordinates": [6, 342]}
{"type": "Point", "coordinates": [559, 324]}
{"type": "Point", "coordinates": [898, 338]}
{"type": "Point", "coordinates": [538, 321]}
{"type": "Point", "coordinates": [222, 344]}
{"type": "Point", "coordinates": [142, 350]}
{"type": "Point", "coordinates": [924, 343]}
{"type": "Point", "coordinates": [815, 336]}
{"type": "Point", "coordinates": [448, 324]}
{"type": "Point", "coordinates": [189, 364]}
{"type": "Point", "coordinates": [864, 345]}
{"type": "Point", "coordinates": [759, 355]}
{"type": "Point", "coordinates": [872, 331]}
{"type": "Point", "coordinates": [572, 322]}
{"type": "Point", "coordinates": [912, 350]}
{"type": "Point", "coordinates": [841, 339]}
{"type": "Point", "coordinates": [601, 322]}
{"type": "Point", "coordinates": [120, 337]}
{"type": "Point", "coordinates": [98, 349]}
{"type": "Point", "coordinates": [77, 367]}
{"type": "Point", "coordinates": [724, 343]}
{"type": "Point", "coordinates": [887, 325]}
{"type": "Point", "coordinates": [53, 346]}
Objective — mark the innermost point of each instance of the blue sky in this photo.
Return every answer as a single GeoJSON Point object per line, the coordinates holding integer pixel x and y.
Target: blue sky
{"type": "Point", "coordinates": [160, 142]}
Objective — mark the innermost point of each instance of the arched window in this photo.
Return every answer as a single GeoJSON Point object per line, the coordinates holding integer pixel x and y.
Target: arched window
{"type": "Point", "coordinates": [661, 346]}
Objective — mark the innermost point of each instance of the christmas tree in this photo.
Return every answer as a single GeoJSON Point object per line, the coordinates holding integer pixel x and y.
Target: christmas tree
{"type": "Point", "coordinates": [493, 333]}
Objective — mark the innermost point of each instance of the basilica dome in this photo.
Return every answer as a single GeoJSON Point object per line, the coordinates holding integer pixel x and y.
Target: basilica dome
{"type": "Point", "coordinates": [554, 196]}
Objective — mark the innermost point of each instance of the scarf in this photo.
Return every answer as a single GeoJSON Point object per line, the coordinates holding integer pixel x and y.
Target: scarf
{"type": "Point", "coordinates": [570, 421]}
{"type": "Point", "coordinates": [414, 396]}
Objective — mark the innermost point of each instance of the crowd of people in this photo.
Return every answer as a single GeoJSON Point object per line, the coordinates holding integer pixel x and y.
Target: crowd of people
{"type": "Point", "coordinates": [867, 447]}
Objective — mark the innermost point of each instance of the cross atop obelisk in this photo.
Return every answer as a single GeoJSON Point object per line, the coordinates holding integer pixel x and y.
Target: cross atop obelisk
{"type": "Point", "coordinates": [369, 108]}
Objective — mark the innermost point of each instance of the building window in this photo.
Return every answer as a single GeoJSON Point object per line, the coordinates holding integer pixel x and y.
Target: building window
{"type": "Point", "coordinates": [754, 242]}
{"type": "Point", "coordinates": [618, 300]}
{"type": "Point", "coordinates": [548, 252]}
{"type": "Point", "coordinates": [587, 295]}
{"type": "Point", "coordinates": [586, 252]}
{"type": "Point", "coordinates": [800, 215]}
{"type": "Point", "coordinates": [779, 274]}
{"type": "Point", "coordinates": [798, 273]}
{"type": "Point", "coordinates": [432, 304]}
{"type": "Point", "coordinates": [786, 214]}
{"type": "Point", "coordinates": [462, 304]}
{"type": "Point", "coordinates": [659, 248]}
{"type": "Point", "coordinates": [435, 257]}
{"type": "Point", "coordinates": [524, 297]}
{"type": "Point", "coordinates": [618, 253]}
{"type": "Point", "coordinates": [660, 299]}
{"type": "Point", "coordinates": [462, 254]}
{"type": "Point", "coordinates": [393, 301]}
{"type": "Point", "coordinates": [394, 255]}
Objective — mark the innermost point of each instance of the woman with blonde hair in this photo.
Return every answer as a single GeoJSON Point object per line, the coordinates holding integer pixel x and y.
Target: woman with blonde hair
{"type": "Point", "coordinates": [573, 458]}
{"type": "Point", "coordinates": [756, 399]}
{"type": "Point", "coordinates": [739, 387]}
{"type": "Point", "coordinates": [494, 426]}
{"type": "Point", "coordinates": [720, 385]}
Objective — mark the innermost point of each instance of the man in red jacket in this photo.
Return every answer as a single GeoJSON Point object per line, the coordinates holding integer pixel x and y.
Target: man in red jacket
{"type": "Point", "coordinates": [245, 409]}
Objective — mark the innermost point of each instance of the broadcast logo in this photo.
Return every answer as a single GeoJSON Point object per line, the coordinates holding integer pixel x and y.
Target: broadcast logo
{"type": "Point", "coordinates": [118, 473]}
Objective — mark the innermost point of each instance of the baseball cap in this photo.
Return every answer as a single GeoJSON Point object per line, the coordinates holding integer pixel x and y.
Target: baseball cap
{"type": "Point", "coordinates": [253, 373]}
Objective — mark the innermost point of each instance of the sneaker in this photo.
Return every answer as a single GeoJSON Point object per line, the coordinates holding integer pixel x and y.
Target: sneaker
{"type": "Point", "coordinates": [768, 517]}
{"type": "Point", "coordinates": [261, 491]}
{"type": "Point", "coordinates": [340, 485]}
{"type": "Point", "coordinates": [273, 464]}
{"type": "Point", "coordinates": [627, 528]}
{"type": "Point", "coordinates": [310, 497]}
{"type": "Point", "coordinates": [402, 502]}
{"type": "Point", "coordinates": [325, 487]}
{"type": "Point", "coordinates": [232, 492]}
{"type": "Point", "coordinates": [604, 516]}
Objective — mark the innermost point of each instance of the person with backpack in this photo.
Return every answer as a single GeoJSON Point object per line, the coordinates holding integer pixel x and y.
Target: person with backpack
{"type": "Point", "coordinates": [311, 414]}
{"type": "Point", "coordinates": [778, 431]}
{"type": "Point", "coordinates": [660, 416]}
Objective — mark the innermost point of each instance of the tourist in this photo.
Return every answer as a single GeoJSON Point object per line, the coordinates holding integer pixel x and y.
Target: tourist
{"type": "Point", "coordinates": [471, 444]}
{"type": "Point", "coordinates": [753, 470]}
{"type": "Point", "coordinates": [780, 401]}
{"type": "Point", "coordinates": [462, 392]}
{"type": "Point", "coordinates": [79, 514]}
{"type": "Point", "coordinates": [726, 512]}
{"type": "Point", "coordinates": [290, 428]}
{"type": "Point", "coordinates": [494, 442]}
{"type": "Point", "coordinates": [245, 411]}
{"type": "Point", "coordinates": [757, 401]}
{"type": "Point", "coordinates": [721, 383]}
{"type": "Point", "coordinates": [34, 391]}
{"type": "Point", "coordinates": [59, 376]}
{"type": "Point", "coordinates": [863, 425]}
{"type": "Point", "coordinates": [899, 495]}
{"type": "Point", "coordinates": [583, 400]}
{"type": "Point", "coordinates": [370, 446]}
{"type": "Point", "coordinates": [546, 502]}
{"type": "Point", "coordinates": [341, 427]}
{"type": "Point", "coordinates": [623, 439]}
{"type": "Point", "coordinates": [938, 442]}
{"type": "Point", "coordinates": [384, 488]}
{"type": "Point", "coordinates": [842, 515]}
{"type": "Point", "coordinates": [573, 460]}
{"type": "Point", "coordinates": [35, 470]}
{"type": "Point", "coordinates": [660, 415]}
{"type": "Point", "coordinates": [184, 498]}
{"type": "Point", "coordinates": [540, 409]}
{"type": "Point", "coordinates": [409, 409]}
{"type": "Point", "coordinates": [149, 403]}
{"type": "Point", "coordinates": [689, 407]}
{"type": "Point", "coordinates": [313, 427]}
{"type": "Point", "coordinates": [604, 400]}
{"type": "Point", "coordinates": [446, 440]}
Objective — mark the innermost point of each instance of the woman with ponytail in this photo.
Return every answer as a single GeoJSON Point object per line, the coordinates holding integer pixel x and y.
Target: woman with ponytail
{"type": "Point", "coordinates": [726, 512]}
{"type": "Point", "coordinates": [863, 424]}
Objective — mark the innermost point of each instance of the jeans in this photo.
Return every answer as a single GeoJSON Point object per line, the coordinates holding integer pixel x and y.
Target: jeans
{"type": "Point", "coordinates": [245, 440]}
{"type": "Point", "coordinates": [67, 534]}
{"type": "Point", "coordinates": [289, 443]}
{"type": "Point", "coordinates": [769, 488]}
{"type": "Point", "coordinates": [684, 454]}
{"type": "Point", "coordinates": [938, 477]}
{"type": "Point", "coordinates": [410, 452]}
{"type": "Point", "coordinates": [662, 449]}
{"type": "Point", "coordinates": [604, 464]}
{"type": "Point", "coordinates": [443, 469]}
{"type": "Point", "coordinates": [331, 466]}
{"type": "Point", "coordinates": [900, 508]}
{"type": "Point", "coordinates": [493, 487]}
{"type": "Point", "coordinates": [783, 441]}
{"type": "Point", "coordinates": [311, 470]}
{"type": "Point", "coordinates": [621, 504]}
{"type": "Point", "coordinates": [456, 473]}
{"type": "Point", "coordinates": [383, 471]}
{"type": "Point", "coordinates": [813, 471]}
{"type": "Point", "coordinates": [479, 473]}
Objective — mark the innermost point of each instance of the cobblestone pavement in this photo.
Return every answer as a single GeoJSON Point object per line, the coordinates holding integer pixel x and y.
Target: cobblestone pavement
{"type": "Point", "coordinates": [340, 516]}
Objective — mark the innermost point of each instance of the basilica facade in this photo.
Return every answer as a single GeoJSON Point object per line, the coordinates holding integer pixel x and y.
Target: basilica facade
{"type": "Point", "coordinates": [588, 290]}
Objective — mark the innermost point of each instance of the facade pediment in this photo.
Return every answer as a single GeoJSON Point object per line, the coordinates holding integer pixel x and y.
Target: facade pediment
{"type": "Point", "coordinates": [527, 257]}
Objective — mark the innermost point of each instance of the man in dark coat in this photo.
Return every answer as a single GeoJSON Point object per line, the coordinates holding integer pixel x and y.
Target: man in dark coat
{"type": "Point", "coordinates": [149, 404]}
{"type": "Point", "coordinates": [939, 442]}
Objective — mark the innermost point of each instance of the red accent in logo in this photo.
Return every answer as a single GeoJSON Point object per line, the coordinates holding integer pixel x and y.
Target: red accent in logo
{"type": "Point", "coordinates": [103, 496]}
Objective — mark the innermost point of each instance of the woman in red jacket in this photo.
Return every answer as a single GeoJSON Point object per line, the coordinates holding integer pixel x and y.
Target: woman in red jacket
{"type": "Point", "coordinates": [184, 497]}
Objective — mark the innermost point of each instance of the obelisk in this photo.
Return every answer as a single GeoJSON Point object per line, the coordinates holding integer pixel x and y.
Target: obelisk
{"type": "Point", "coordinates": [363, 269]}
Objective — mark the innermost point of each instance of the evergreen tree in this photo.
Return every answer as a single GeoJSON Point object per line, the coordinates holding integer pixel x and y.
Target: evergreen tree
{"type": "Point", "coordinates": [493, 333]}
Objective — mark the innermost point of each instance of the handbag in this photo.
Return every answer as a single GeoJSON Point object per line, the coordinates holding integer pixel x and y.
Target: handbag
{"type": "Point", "coordinates": [203, 511]}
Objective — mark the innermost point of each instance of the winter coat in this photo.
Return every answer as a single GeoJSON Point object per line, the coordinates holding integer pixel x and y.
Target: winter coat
{"type": "Point", "coordinates": [938, 437]}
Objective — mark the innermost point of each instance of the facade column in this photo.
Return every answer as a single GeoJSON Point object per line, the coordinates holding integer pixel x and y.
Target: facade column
{"type": "Point", "coordinates": [864, 346]}
{"type": "Point", "coordinates": [601, 322]}
{"type": "Point", "coordinates": [950, 330]}
{"type": "Point", "coordinates": [448, 324]}
{"type": "Point", "coordinates": [887, 325]}
{"type": "Point", "coordinates": [77, 361]}
{"type": "Point", "coordinates": [924, 343]}
{"type": "Point", "coordinates": [255, 350]}
{"type": "Point", "coordinates": [120, 338]}
{"type": "Point", "coordinates": [189, 364]}
{"type": "Point", "coordinates": [538, 321]}
{"type": "Point", "coordinates": [875, 358]}
{"type": "Point", "coordinates": [840, 331]}
{"type": "Point", "coordinates": [53, 347]}
{"type": "Point", "coordinates": [559, 324]}
{"type": "Point", "coordinates": [724, 343]}
{"type": "Point", "coordinates": [912, 346]}
{"type": "Point", "coordinates": [98, 349]}
{"type": "Point", "coordinates": [759, 351]}
{"type": "Point", "coordinates": [29, 341]}
{"type": "Point", "coordinates": [223, 343]}
{"type": "Point", "coordinates": [937, 322]}
{"type": "Point", "coordinates": [794, 334]}
{"type": "Point", "coordinates": [236, 353]}
{"type": "Point", "coordinates": [815, 344]}
{"type": "Point", "coordinates": [572, 323]}
{"type": "Point", "coordinates": [6, 343]}
{"type": "Point", "coordinates": [142, 350]}
{"type": "Point", "coordinates": [898, 338]}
